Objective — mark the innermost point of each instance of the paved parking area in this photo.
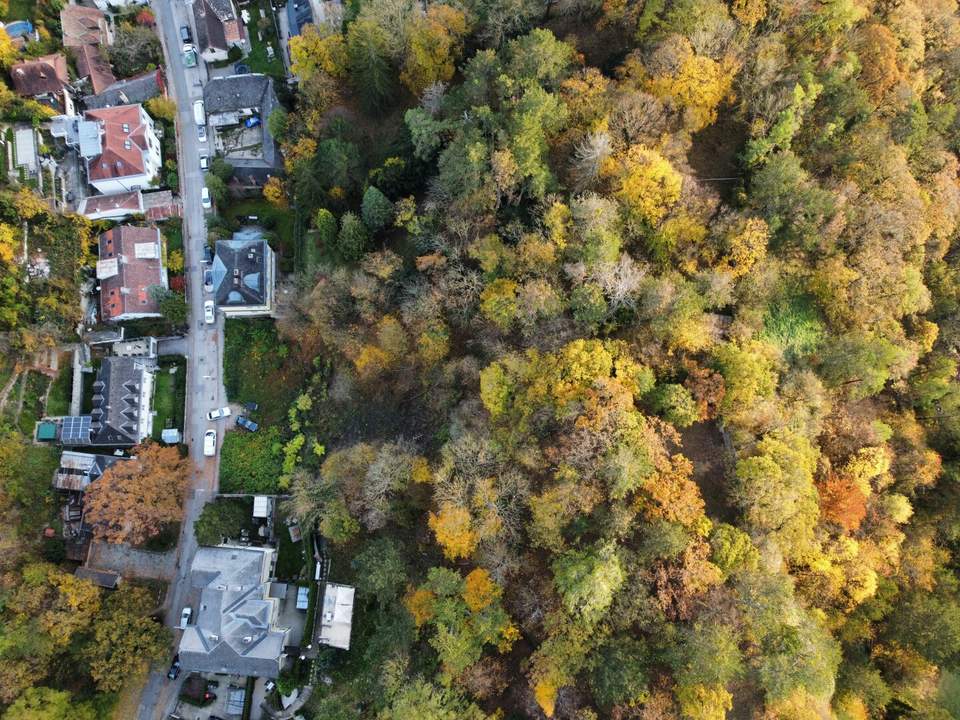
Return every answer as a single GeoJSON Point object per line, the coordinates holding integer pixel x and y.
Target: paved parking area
{"type": "Point", "coordinates": [129, 561]}
{"type": "Point", "coordinates": [218, 708]}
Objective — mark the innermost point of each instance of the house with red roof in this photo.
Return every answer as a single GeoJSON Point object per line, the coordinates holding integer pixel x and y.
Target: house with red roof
{"type": "Point", "coordinates": [80, 25]}
{"type": "Point", "coordinates": [130, 263]}
{"type": "Point", "coordinates": [118, 144]}
{"type": "Point", "coordinates": [93, 67]}
{"type": "Point", "coordinates": [46, 80]}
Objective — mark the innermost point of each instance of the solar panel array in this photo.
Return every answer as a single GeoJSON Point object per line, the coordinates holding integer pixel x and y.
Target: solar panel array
{"type": "Point", "coordinates": [75, 430]}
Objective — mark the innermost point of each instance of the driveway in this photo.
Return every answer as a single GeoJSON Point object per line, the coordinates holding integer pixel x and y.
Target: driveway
{"type": "Point", "coordinates": [203, 346]}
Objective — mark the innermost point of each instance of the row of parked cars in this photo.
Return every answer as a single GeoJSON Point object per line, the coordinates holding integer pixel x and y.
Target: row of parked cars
{"type": "Point", "coordinates": [210, 436]}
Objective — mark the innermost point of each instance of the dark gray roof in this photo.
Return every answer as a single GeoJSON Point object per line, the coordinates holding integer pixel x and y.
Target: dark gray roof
{"type": "Point", "coordinates": [131, 91]}
{"type": "Point", "coordinates": [249, 91]}
{"type": "Point", "coordinates": [240, 270]}
{"type": "Point", "coordinates": [210, 33]}
{"type": "Point", "coordinates": [116, 401]}
{"type": "Point", "coordinates": [103, 578]}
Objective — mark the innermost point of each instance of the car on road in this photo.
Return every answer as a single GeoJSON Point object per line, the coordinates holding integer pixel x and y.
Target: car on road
{"type": "Point", "coordinates": [218, 413]}
{"type": "Point", "coordinates": [185, 34]}
{"type": "Point", "coordinates": [204, 162]}
{"type": "Point", "coordinates": [247, 424]}
{"type": "Point", "coordinates": [208, 317]}
{"type": "Point", "coordinates": [202, 133]}
{"type": "Point", "coordinates": [185, 616]}
{"type": "Point", "coordinates": [205, 198]}
{"type": "Point", "coordinates": [189, 55]}
{"type": "Point", "coordinates": [210, 443]}
{"type": "Point", "coordinates": [174, 670]}
{"type": "Point", "coordinates": [208, 254]}
{"type": "Point", "coordinates": [251, 406]}
{"type": "Point", "coordinates": [208, 280]}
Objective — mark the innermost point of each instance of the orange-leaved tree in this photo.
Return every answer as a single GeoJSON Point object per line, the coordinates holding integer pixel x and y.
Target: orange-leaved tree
{"type": "Point", "coordinates": [135, 499]}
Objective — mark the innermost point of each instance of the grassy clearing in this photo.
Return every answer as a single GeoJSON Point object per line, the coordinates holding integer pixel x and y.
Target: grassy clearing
{"type": "Point", "coordinates": [169, 396]}
{"type": "Point", "coordinates": [793, 324]}
{"type": "Point", "coordinates": [58, 403]}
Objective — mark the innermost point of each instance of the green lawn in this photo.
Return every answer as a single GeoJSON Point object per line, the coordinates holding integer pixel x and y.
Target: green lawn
{"type": "Point", "coordinates": [58, 403]}
{"type": "Point", "coordinates": [290, 555]}
{"type": "Point", "coordinates": [173, 231]}
{"type": "Point", "coordinates": [257, 59]}
{"type": "Point", "coordinates": [169, 396]}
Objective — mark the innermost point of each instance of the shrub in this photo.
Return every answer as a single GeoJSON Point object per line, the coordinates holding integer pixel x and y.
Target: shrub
{"type": "Point", "coordinates": [250, 462]}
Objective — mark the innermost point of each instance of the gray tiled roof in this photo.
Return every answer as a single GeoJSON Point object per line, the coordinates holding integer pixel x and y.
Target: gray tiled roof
{"type": "Point", "coordinates": [240, 271]}
{"type": "Point", "coordinates": [249, 91]}
{"type": "Point", "coordinates": [131, 91]}
{"type": "Point", "coordinates": [235, 630]}
{"type": "Point", "coordinates": [116, 401]}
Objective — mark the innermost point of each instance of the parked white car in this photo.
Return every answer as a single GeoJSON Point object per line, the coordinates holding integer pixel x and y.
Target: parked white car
{"type": "Point", "coordinates": [208, 317]}
{"type": "Point", "coordinates": [210, 443]}
{"type": "Point", "coordinates": [205, 198]}
{"type": "Point", "coordinates": [185, 616]}
{"type": "Point", "coordinates": [202, 133]}
{"type": "Point", "coordinates": [218, 413]}
{"type": "Point", "coordinates": [204, 162]}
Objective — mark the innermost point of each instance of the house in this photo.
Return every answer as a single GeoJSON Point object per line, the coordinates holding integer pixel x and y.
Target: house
{"type": "Point", "coordinates": [131, 91]}
{"type": "Point", "coordinates": [121, 415]}
{"type": "Point", "coordinates": [129, 265]}
{"type": "Point", "coordinates": [218, 28]}
{"type": "Point", "coordinates": [93, 68]}
{"type": "Point", "coordinates": [78, 469]}
{"type": "Point", "coordinates": [156, 205]}
{"type": "Point", "coordinates": [100, 578]}
{"type": "Point", "coordinates": [244, 275]}
{"type": "Point", "coordinates": [84, 26]}
{"type": "Point", "coordinates": [105, 5]}
{"type": "Point", "coordinates": [46, 80]}
{"type": "Point", "coordinates": [118, 144]}
{"type": "Point", "coordinates": [144, 347]}
{"type": "Point", "coordinates": [238, 107]}
{"type": "Point", "coordinates": [236, 629]}
{"type": "Point", "coordinates": [336, 616]}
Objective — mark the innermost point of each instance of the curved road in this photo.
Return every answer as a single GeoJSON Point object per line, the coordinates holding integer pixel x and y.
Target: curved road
{"type": "Point", "coordinates": [204, 343]}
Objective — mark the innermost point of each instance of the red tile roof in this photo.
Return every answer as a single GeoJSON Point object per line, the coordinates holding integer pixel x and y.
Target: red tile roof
{"type": "Point", "coordinates": [135, 275]}
{"type": "Point", "coordinates": [124, 143]}
{"type": "Point", "coordinates": [82, 26]}
{"type": "Point", "coordinates": [47, 74]}
{"type": "Point", "coordinates": [95, 204]}
{"type": "Point", "coordinates": [92, 64]}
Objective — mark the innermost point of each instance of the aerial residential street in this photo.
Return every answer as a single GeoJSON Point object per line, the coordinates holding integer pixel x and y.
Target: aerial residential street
{"type": "Point", "coordinates": [204, 342]}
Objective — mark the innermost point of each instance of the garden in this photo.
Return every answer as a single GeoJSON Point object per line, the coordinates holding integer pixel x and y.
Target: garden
{"type": "Point", "coordinates": [169, 395]}
{"type": "Point", "coordinates": [225, 518]}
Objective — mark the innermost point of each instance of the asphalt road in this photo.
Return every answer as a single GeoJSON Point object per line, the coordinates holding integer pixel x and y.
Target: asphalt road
{"type": "Point", "coordinates": [204, 343]}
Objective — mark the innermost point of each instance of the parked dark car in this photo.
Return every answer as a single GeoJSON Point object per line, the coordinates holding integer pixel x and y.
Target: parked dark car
{"type": "Point", "coordinates": [207, 254]}
{"type": "Point", "coordinates": [174, 672]}
{"type": "Point", "coordinates": [247, 424]}
{"type": "Point", "coordinates": [251, 406]}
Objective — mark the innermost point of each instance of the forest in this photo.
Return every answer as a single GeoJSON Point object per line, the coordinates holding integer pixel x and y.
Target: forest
{"type": "Point", "coordinates": [630, 355]}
